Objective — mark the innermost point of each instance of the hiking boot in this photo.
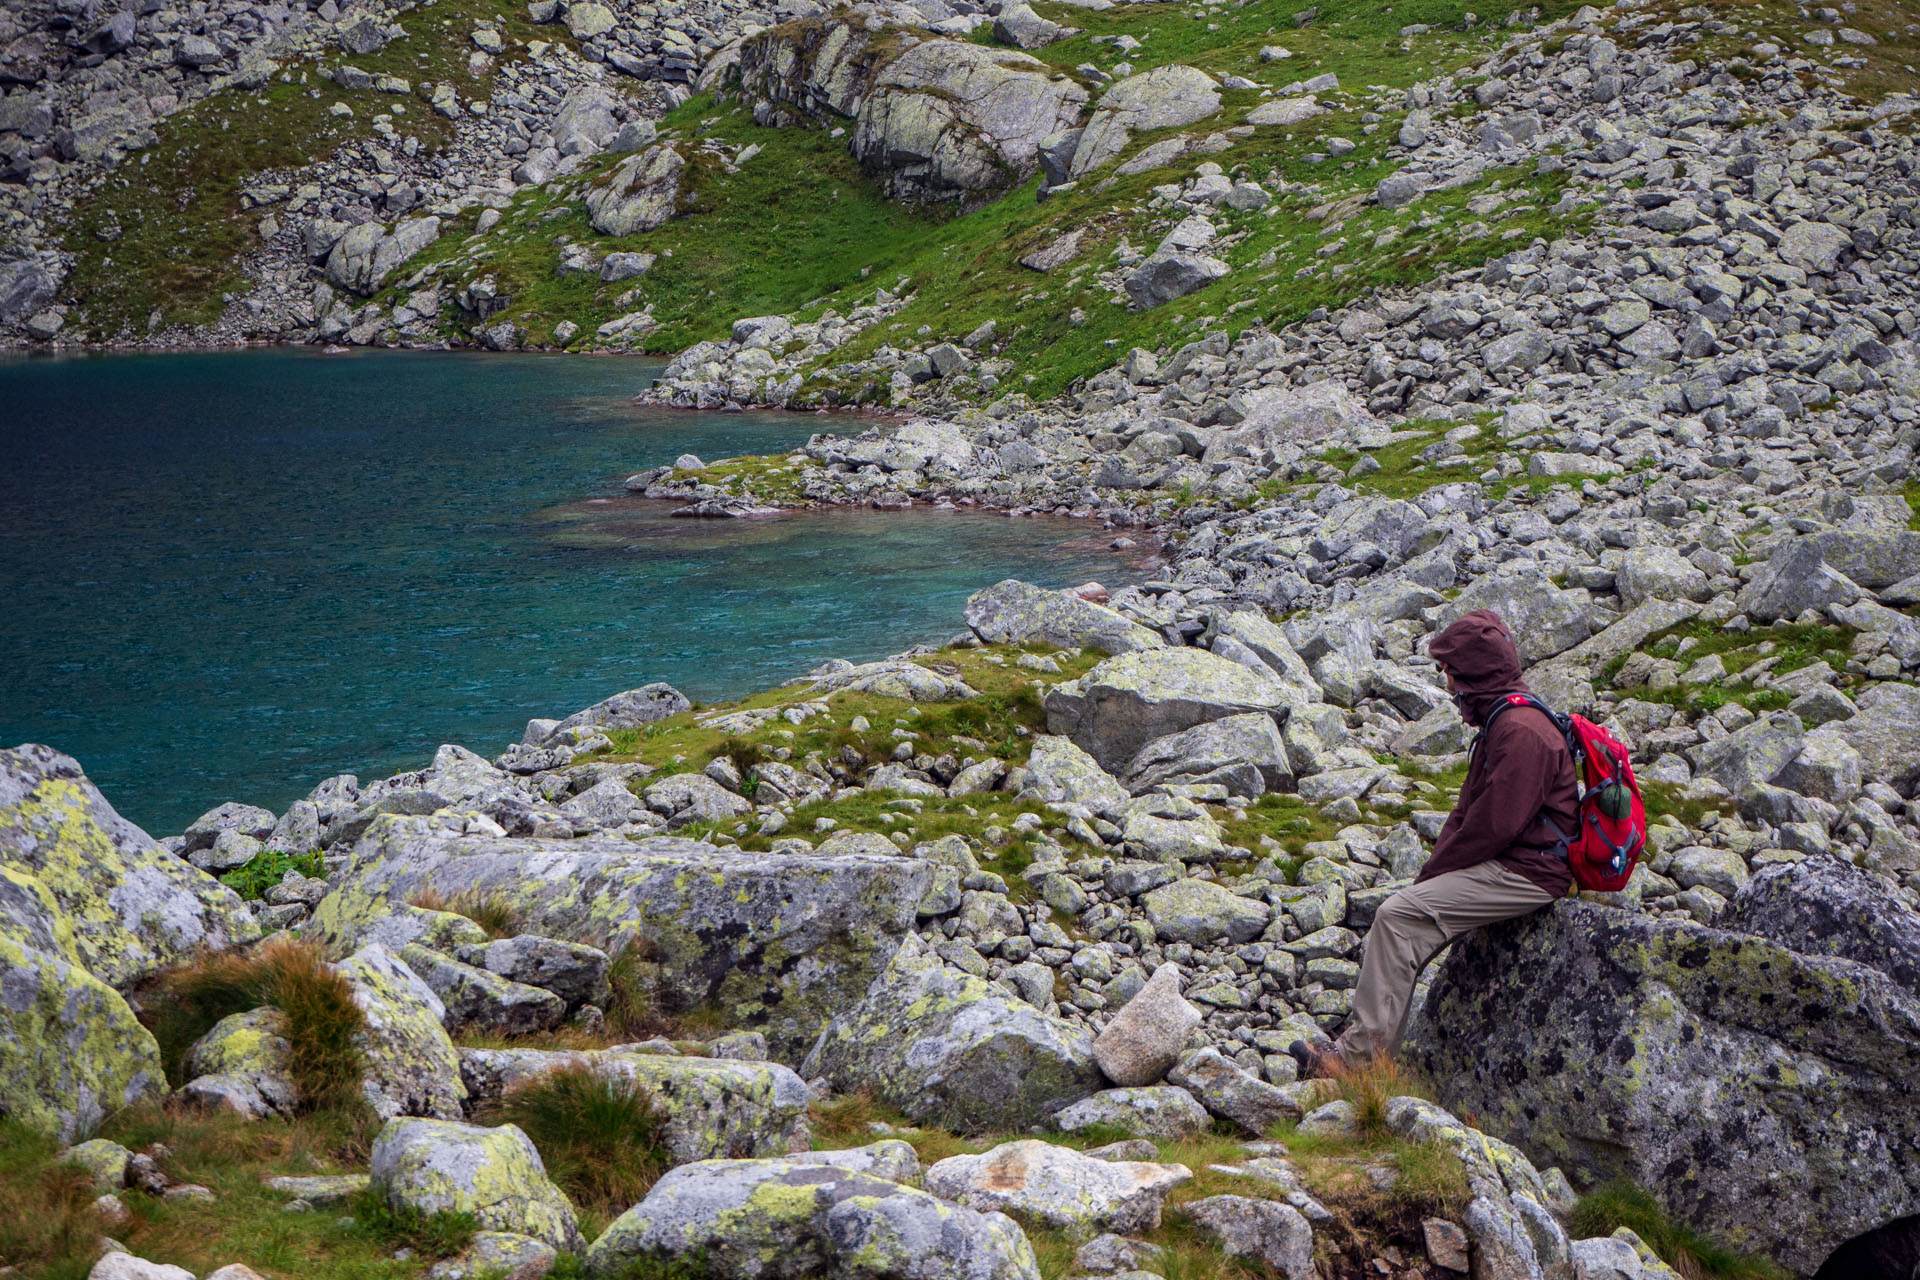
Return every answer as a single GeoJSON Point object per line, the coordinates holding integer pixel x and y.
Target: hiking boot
{"type": "Point", "coordinates": [1315, 1064]}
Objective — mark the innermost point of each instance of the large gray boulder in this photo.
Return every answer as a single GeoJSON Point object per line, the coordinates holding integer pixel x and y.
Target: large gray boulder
{"type": "Point", "coordinates": [947, 119]}
{"type": "Point", "coordinates": [365, 256]}
{"type": "Point", "coordinates": [801, 1218]}
{"type": "Point", "coordinates": [437, 1166]}
{"type": "Point", "coordinates": [642, 192]}
{"type": "Point", "coordinates": [1282, 415]}
{"type": "Point", "coordinates": [1795, 578]}
{"type": "Point", "coordinates": [1015, 612]}
{"type": "Point", "coordinates": [1824, 905]}
{"type": "Point", "coordinates": [635, 708]}
{"type": "Point", "coordinates": [1130, 700]}
{"type": "Point", "coordinates": [130, 906]}
{"type": "Point", "coordinates": [778, 944]}
{"type": "Point", "coordinates": [1544, 619]}
{"type": "Point", "coordinates": [71, 1051]}
{"type": "Point", "coordinates": [1060, 773]}
{"type": "Point", "coordinates": [1885, 732]}
{"type": "Point", "coordinates": [1620, 1045]}
{"type": "Point", "coordinates": [411, 1068]}
{"type": "Point", "coordinates": [1146, 1037]}
{"type": "Point", "coordinates": [1170, 275]}
{"type": "Point", "coordinates": [1042, 1185]}
{"type": "Point", "coordinates": [1158, 99]}
{"type": "Point", "coordinates": [949, 1048]}
{"type": "Point", "coordinates": [1243, 753]}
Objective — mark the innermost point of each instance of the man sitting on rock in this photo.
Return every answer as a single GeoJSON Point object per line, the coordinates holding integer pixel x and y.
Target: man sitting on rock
{"type": "Point", "coordinates": [1495, 856]}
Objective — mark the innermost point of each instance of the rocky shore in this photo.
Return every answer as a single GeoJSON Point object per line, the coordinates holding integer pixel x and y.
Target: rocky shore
{"type": "Point", "coordinates": [983, 959]}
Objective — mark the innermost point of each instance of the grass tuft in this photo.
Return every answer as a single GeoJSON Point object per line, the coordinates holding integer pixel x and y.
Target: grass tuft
{"type": "Point", "coordinates": [495, 913]}
{"type": "Point", "coordinates": [599, 1135]}
{"type": "Point", "coordinates": [48, 1227]}
{"type": "Point", "coordinates": [429, 1235]}
{"type": "Point", "coordinates": [1693, 1255]}
{"type": "Point", "coordinates": [318, 1015]}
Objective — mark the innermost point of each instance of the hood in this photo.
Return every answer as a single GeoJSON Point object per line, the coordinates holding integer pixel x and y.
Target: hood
{"type": "Point", "coordinates": [1477, 651]}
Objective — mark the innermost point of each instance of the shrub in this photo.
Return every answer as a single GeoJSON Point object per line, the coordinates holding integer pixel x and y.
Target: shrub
{"type": "Point", "coordinates": [268, 869]}
{"type": "Point", "coordinates": [598, 1133]}
{"type": "Point", "coordinates": [317, 1014]}
{"type": "Point", "coordinates": [1622, 1204]}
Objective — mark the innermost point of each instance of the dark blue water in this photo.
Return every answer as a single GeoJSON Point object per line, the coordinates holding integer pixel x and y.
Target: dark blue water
{"type": "Point", "coordinates": [229, 575]}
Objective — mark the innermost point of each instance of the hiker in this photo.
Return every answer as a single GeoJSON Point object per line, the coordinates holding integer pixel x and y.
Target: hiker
{"type": "Point", "coordinates": [1497, 855]}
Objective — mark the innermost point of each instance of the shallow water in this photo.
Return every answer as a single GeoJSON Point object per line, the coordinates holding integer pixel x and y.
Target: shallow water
{"type": "Point", "coordinates": [228, 575]}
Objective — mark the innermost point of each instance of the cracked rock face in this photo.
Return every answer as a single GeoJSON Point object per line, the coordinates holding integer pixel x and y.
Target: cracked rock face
{"type": "Point", "coordinates": [1592, 1036]}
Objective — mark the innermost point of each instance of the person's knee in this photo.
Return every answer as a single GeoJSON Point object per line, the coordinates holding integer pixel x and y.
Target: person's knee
{"type": "Point", "coordinates": [1400, 911]}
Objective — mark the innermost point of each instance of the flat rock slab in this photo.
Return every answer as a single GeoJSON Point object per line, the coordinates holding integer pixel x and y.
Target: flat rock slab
{"type": "Point", "coordinates": [779, 944]}
{"type": "Point", "coordinates": [1047, 1186]}
{"type": "Point", "coordinates": [797, 1219]}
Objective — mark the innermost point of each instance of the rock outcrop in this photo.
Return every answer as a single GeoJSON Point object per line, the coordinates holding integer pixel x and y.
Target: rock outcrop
{"type": "Point", "coordinates": [1619, 1045]}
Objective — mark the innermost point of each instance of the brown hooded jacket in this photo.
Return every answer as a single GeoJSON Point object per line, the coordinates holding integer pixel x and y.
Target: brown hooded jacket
{"type": "Point", "coordinates": [1515, 773]}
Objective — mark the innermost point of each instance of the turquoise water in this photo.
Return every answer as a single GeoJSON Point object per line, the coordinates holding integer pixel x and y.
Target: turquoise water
{"type": "Point", "coordinates": [229, 575]}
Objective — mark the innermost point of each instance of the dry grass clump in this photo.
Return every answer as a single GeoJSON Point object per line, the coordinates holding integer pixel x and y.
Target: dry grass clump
{"type": "Point", "coordinates": [317, 1014]}
{"type": "Point", "coordinates": [48, 1226]}
{"type": "Point", "coordinates": [599, 1134]}
{"type": "Point", "coordinates": [495, 912]}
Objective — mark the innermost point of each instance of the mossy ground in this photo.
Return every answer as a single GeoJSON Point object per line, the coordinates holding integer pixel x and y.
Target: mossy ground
{"type": "Point", "coordinates": [1789, 646]}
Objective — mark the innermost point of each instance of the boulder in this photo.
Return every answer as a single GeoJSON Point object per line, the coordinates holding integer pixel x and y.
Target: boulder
{"type": "Point", "coordinates": [949, 1048]}
{"type": "Point", "coordinates": [1130, 700]}
{"type": "Point", "coordinates": [1885, 732]}
{"type": "Point", "coordinates": [1245, 754]}
{"type": "Point", "coordinates": [1018, 25]}
{"type": "Point", "coordinates": [1282, 415]}
{"type": "Point", "coordinates": [1045, 1186]}
{"type": "Point", "coordinates": [1060, 773]}
{"type": "Point", "coordinates": [633, 709]}
{"type": "Point", "coordinates": [899, 678]}
{"type": "Point", "coordinates": [713, 1108]}
{"type": "Point", "coordinates": [366, 255]}
{"type": "Point", "coordinates": [1824, 905]}
{"type": "Point", "coordinates": [778, 944]}
{"type": "Point", "coordinates": [1157, 1111]}
{"type": "Point", "coordinates": [1620, 1045]}
{"type": "Point", "coordinates": [242, 1065]}
{"type": "Point", "coordinates": [411, 1067]}
{"type": "Point", "coordinates": [1172, 274]}
{"type": "Point", "coordinates": [1234, 1095]}
{"type": "Point", "coordinates": [946, 119]}
{"type": "Point", "coordinates": [1015, 612]}
{"type": "Point", "coordinates": [1795, 578]}
{"type": "Point", "coordinates": [434, 1166]}
{"type": "Point", "coordinates": [71, 1051]}
{"type": "Point", "coordinates": [482, 1001]}
{"type": "Point", "coordinates": [800, 1218]}
{"type": "Point", "coordinates": [1146, 1037]}
{"type": "Point", "coordinates": [1873, 558]}
{"type": "Point", "coordinates": [1659, 573]}
{"type": "Point", "coordinates": [1544, 619]}
{"type": "Point", "coordinates": [129, 906]}
{"type": "Point", "coordinates": [1163, 98]}
{"type": "Point", "coordinates": [641, 194]}
{"type": "Point", "coordinates": [1271, 1234]}
{"type": "Point", "coordinates": [1204, 913]}
{"type": "Point", "coordinates": [575, 973]}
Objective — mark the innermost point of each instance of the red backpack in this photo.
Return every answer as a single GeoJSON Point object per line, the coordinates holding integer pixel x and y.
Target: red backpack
{"type": "Point", "coordinates": [1612, 832]}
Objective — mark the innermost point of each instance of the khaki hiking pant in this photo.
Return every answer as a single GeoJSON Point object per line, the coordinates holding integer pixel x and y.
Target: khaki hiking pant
{"type": "Point", "coordinates": [1410, 929]}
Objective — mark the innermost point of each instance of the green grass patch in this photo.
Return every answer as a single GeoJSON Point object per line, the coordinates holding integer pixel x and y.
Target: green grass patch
{"type": "Point", "coordinates": [48, 1225]}
{"type": "Point", "coordinates": [268, 868]}
{"type": "Point", "coordinates": [1692, 1254]}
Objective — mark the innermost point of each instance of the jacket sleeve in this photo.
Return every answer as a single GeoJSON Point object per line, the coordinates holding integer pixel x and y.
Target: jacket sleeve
{"type": "Point", "coordinates": [1519, 769]}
